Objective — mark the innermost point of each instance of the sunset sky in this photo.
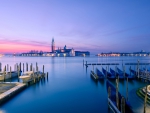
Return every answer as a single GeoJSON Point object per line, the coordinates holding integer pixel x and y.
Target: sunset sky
{"type": "Point", "coordinates": [88, 25]}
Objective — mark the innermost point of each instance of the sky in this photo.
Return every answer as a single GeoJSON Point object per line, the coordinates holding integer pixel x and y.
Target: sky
{"type": "Point", "coordinates": [85, 25]}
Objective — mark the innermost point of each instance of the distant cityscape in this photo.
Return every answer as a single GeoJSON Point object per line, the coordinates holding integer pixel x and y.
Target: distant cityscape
{"type": "Point", "coordinates": [141, 53]}
{"type": "Point", "coordinates": [65, 52]}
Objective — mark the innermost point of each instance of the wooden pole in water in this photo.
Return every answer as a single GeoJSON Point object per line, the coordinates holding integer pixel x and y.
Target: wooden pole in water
{"type": "Point", "coordinates": [109, 93]}
{"type": "Point", "coordinates": [122, 105]}
{"type": "Point", "coordinates": [115, 71]}
{"type": "Point", "coordinates": [93, 68]}
{"type": "Point", "coordinates": [10, 73]}
{"type": "Point", "coordinates": [36, 66]}
{"type": "Point", "coordinates": [23, 67]}
{"type": "Point", "coordinates": [127, 90]}
{"type": "Point", "coordinates": [4, 73]}
{"type": "Point", "coordinates": [117, 99]}
{"type": "Point", "coordinates": [43, 69]}
{"type": "Point", "coordinates": [138, 68]}
{"type": "Point", "coordinates": [26, 66]}
{"type": "Point", "coordinates": [47, 75]}
{"type": "Point", "coordinates": [83, 62]}
{"type": "Point", "coordinates": [124, 71]}
{"type": "Point", "coordinates": [130, 70]}
{"type": "Point", "coordinates": [18, 71]}
{"type": "Point", "coordinates": [7, 67]}
{"type": "Point", "coordinates": [106, 71]}
{"type": "Point", "coordinates": [0, 66]}
{"type": "Point", "coordinates": [145, 100]}
{"type": "Point", "coordinates": [20, 67]}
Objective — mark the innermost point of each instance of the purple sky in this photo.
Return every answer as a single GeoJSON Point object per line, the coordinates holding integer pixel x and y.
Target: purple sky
{"type": "Point", "coordinates": [90, 25]}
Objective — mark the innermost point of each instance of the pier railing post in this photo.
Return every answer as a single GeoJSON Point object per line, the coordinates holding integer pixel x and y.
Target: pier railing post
{"type": "Point", "coordinates": [122, 105]}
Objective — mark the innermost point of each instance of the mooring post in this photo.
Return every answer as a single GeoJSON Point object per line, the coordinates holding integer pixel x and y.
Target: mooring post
{"type": "Point", "coordinates": [109, 94]}
{"type": "Point", "coordinates": [83, 62]}
{"type": "Point", "coordinates": [43, 70]}
{"type": "Point", "coordinates": [138, 69]}
{"type": "Point", "coordinates": [130, 70]}
{"type": "Point", "coordinates": [7, 67]}
{"type": "Point", "coordinates": [86, 64]}
{"type": "Point", "coordinates": [47, 75]}
{"type": "Point", "coordinates": [31, 67]}
{"type": "Point", "coordinates": [124, 71]}
{"type": "Point", "coordinates": [106, 71]}
{"type": "Point", "coordinates": [0, 66]}
{"type": "Point", "coordinates": [117, 99]}
{"type": "Point", "coordinates": [4, 73]}
{"type": "Point", "coordinates": [26, 66]}
{"type": "Point", "coordinates": [122, 105]}
{"type": "Point", "coordinates": [18, 71]}
{"type": "Point", "coordinates": [23, 67]}
{"type": "Point", "coordinates": [127, 90]}
{"type": "Point", "coordinates": [115, 71]}
{"type": "Point", "coordinates": [20, 67]}
{"type": "Point", "coordinates": [93, 68]}
{"type": "Point", "coordinates": [145, 100]}
{"type": "Point", "coordinates": [10, 72]}
{"type": "Point", "coordinates": [36, 66]}
{"type": "Point", "coordinates": [34, 76]}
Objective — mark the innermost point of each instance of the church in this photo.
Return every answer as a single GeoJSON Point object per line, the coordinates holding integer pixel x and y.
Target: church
{"type": "Point", "coordinates": [65, 52]}
{"type": "Point", "coordinates": [61, 52]}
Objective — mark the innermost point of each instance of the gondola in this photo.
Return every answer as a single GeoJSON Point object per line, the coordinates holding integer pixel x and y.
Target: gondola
{"type": "Point", "coordinates": [99, 74]}
{"type": "Point", "coordinates": [128, 108]}
{"type": "Point", "coordinates": [108, 74]}
{"type": "Point", "coordinates": [116, 74]}
{"type": "Point", "coordinates": [126, 74]}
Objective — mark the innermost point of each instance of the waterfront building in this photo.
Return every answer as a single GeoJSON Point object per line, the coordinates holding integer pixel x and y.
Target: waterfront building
{"type": "Point", "coordinates": [65, 52]}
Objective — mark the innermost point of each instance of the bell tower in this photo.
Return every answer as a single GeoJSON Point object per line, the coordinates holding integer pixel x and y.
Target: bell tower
{"type": "Point", "coordinates": [53, 45]}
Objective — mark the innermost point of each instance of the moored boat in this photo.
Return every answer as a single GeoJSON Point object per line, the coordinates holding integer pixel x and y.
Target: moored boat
{"type": "Point", "coordinates": [108, 74]}
{"type": "Point", "coordinates": [115, 73]}
{"type": "Point", "coordinates": [125, 74]}
{"type": "Point", "coordinates": [94, 75]}
{"type": "Point", "coordinates": [128, 108]}
{"type": "Point", "coordinates": [8, 75]}
{"type": "Point", "coordinates": [99, 74]}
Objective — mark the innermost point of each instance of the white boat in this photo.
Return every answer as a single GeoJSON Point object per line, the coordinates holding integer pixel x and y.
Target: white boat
{"type": "Point", "coordinates": [8, 75]}
{"type": "Point", "coordinates": [27, 76]}
{"type": "Point", "coordinates": [148, 90]}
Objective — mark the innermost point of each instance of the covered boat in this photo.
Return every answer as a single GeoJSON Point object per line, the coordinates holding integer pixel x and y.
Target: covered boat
{"type": "Point", "coordinates": [126, 74]}
{"type": "Point", "coordinates": [108, 74]}
{"type": "Point", "coordinates": [128, 108]}
{"type": "Point", "coordinates": [116, 74]}
{"type": "Point", "coordinates": [99, 74]}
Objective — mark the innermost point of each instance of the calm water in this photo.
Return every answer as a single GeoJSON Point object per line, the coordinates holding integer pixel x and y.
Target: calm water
{"type": "Point", "coordinates": [69, 88]}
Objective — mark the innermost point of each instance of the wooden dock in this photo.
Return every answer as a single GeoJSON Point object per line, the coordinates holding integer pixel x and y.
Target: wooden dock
{"type": "Point", "coordinates": [11, 92]}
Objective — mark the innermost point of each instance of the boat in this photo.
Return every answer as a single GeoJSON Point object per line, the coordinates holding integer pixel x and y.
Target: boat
{"type": "Point", "coordinates": [8, 75]}
{"type": "Point", "coordinates": [115, 73]}
{"type": "Point", "coordinates": [99, 74]}
{"type": "Point", "coordinates": [108, 74]}
{"type": "Point", "coordinates": [133, 71]}
{"type": "Point", "coordinates": [128, 108]}
{"type": "Point", "coordinates": [126, 74]}
{"type": "Point", "coordinates": [27, 76]}
{"type": "Point", "coordinates": [94, 75]}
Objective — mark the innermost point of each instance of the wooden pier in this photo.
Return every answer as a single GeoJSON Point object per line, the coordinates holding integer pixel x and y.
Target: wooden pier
{"type": "Point", "coordinates": [11, 92]}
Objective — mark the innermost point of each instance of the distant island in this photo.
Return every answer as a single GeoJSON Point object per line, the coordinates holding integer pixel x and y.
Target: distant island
{"type": "Point", "coordinates": [57, 53]}
{"type": "Point", "coordinates": [141, 53]}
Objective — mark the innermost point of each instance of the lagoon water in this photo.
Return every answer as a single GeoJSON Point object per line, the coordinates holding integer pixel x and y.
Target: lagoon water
{"type": "Point", "coordinates": [69, 87]}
